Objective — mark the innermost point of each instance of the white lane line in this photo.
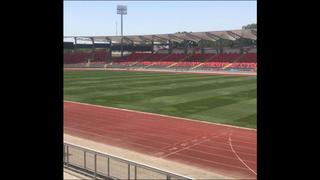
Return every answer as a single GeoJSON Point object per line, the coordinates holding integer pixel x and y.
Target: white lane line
{"type": "Point", "coordinates": [239, 157]}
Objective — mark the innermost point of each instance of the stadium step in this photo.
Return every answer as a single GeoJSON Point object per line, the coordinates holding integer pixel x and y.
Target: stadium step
{"type": "Point", "coordinates": [134, 63]}
{"type": "Point", "coordinates": [141, 59]}
{"type": "Point", "coordinates": [212, 57]}
{"type": "Point", "coordinates": [171, 65]}
{"type": "Point", "coordinates": [151, 64]}
{"type": "Point", "coordinates": [228, 65]}
{"type": "Point", "coordinates": [159, 60]}
{"type": "Point", "coordinates": [197, 66]}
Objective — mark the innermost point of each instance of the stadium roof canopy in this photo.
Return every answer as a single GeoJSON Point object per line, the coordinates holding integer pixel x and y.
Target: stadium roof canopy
{"type": "Point", "coordinates": [176, 37]}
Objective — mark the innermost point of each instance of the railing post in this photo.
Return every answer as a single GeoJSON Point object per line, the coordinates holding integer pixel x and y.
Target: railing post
{"type": "Point", "coordinates": [108, 167]}
{"type": "Point", "coordinates": [95, 165]}
{"type": "Point", "coordinates": [168, 177]}
{"type": "Point", "coordinates": [64, 153]}
{"type": "Point", "coordinates": [128, 171]}
{"type": "Point", "coordinates": [135, 172]}
{"type": "Point", "coordinates": [67, 155]}
{"type": "Point", "coordinates": [85, 159]}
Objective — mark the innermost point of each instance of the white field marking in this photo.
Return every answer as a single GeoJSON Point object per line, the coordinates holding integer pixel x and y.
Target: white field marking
{"type": "Point", "coordinates": [216, 154]}
{"type": "Point", "coordinates": [250, 143]}
{"type": "Point", "coordinates": [183, 144]}
{"type": "Point", "coordinates": [213, 147]}
{"type": "Point", "coordinates": [224, 149]}
{"type": "Point", "coordinates": [177, 143]}
{"type": "Point", "coordinates": [186, 142]}
{"type": "Point", "coordinates": [213, 162]}
{"type": "Point", "coordinates": [219, 155]}
{"type": "Point", "coordinates": [166, 155]}
{"type": "Point", "coordinates": [226, 143]}
{"type": "Point", "coordinates": [125, 159]}
{"type": "Point", "coordinates": [239, 157]}
{"type": "Point", "coordinates": [187, 119]}
{"type": "Point", "coordinates": [173, 148]}
{"type": "Point", "coordinates": [199, 143]}
{"type": "Point", "coordinates": [183, 155]}
{"type": "Point", "coordinates": [188, 147]}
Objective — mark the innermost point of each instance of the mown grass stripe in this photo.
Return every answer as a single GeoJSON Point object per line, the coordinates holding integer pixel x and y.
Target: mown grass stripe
{"type": "Point", "coordinates": [128, 82]}
{"type": "Point", "coordinates": [181, 98]}
{"type": "Point", "coordinates": [92, 74]}
{"type": "Point", "coordinates": [144, 84]}
{"type": "Point", "coordinates": [204, 104]}
{"type": "Point", "coordinates": [112, 81]}
{"type": "Point", "coordinates": [112, 76]}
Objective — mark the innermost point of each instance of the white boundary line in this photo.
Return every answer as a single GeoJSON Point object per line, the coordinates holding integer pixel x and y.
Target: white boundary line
{"type": "Point", "coordinates": [239, 157]}
{"type": "Point", "coordinates": [187, 119]}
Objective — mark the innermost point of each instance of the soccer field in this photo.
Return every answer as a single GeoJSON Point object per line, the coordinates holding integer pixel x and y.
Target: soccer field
{"type": "Point", "coordinates": [214, 98]}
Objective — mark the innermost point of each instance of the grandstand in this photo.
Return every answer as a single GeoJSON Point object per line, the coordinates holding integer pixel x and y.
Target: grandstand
{"type": "Point", "coordinates": [142, 52]}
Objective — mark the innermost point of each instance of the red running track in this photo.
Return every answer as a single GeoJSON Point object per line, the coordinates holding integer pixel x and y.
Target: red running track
{"type": "Point", "coordinates": [226, 150]}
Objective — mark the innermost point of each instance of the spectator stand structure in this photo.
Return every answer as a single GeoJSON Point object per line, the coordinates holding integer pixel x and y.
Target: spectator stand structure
{"type": "Point", "coordinates": [135, 44]}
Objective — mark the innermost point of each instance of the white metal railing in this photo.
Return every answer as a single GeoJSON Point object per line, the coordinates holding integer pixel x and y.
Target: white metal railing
{"type": "Point", "coordinates": [99, 165]}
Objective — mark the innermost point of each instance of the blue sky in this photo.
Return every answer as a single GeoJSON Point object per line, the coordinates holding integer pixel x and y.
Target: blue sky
{"type": "Point", "coordinates": [98, 18]}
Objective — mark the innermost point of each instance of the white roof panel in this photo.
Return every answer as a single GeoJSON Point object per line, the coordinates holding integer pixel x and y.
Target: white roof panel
{"type": "Point", "coordinates": [176, 37]}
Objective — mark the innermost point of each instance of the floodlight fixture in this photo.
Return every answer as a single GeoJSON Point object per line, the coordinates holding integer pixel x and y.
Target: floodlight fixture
{"type": "Point", "coordinates": [122, 10]}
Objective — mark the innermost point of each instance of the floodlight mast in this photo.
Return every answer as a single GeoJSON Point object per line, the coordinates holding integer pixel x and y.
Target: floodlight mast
{"type": "Point", "coordinates": [122, 10]}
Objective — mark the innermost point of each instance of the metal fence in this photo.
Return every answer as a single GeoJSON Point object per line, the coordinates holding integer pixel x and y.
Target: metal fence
{"type": "Point", "coordinates": [100, 165]}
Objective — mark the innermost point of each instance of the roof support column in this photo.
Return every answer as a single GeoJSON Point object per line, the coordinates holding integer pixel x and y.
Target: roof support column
{"type": "Point", "coordinates": [110, 49]}
{"type": "Point", "coordinates": [185, 48]}
{"type": "Point", "coordinates": [200, 45]}
{"type": "Point", "coordinates": [202, 50]}
{"type": "Point", "coordinates": [220, 46]}
{"type": "Point", "coordinates": [92, 51]}
{"type": "Point", "coordinates": [132, 47]}
{"type": "Point", "coordinates": [75, 43]}
{"type": "Point", "coordinates": [152, 46]}
{"type": "Point", "coordinates": [107, 51]}
{"type": "Point", "coordinates": [170, 47]}
{"type": "Point", "coordinates": [241, 45]}
{"type": "Point", "coordinates": [216, 46]}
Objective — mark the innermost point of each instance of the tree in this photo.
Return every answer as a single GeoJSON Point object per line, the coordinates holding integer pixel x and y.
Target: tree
{"type": "Point", "coordinates": [250, 26]}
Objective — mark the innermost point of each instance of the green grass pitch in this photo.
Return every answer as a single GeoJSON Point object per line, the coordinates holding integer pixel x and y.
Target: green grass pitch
{"type": "Point", "coordinates": [214, 98]}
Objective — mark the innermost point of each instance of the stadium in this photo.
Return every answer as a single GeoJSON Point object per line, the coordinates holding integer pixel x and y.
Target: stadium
{"type": "Point", "coordinates": [161, 106]}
